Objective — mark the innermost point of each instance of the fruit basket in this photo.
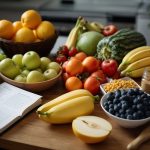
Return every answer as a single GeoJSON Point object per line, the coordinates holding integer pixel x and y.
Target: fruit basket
{"type": "Point", "coordinates": [43, 48]}
{"type": "Point", "coordinates": [33, 87]}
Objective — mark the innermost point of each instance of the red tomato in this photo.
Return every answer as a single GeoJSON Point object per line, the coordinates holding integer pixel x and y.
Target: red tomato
{"type": "Point", "coordinates": [90, 64]}
{"type": "Point", "coordinates": [74, 67]}
{"type": "Point", "coordinates": [100, 76]}
{"type": "Point", "coordinates": [100, 62]}
{"type": "Point", "coordinates": [72, 52]}
{"type": "Point", "coordinates": [109, 67]}
{"type": "Point", "coordinates": [64, 65]}
{"type": "Point", "coordinates": [92, 84]}
{"type": "Point", "coordinates": [65, 76]}
{"type": "Point", "coordinates": [73, 83]}
{"type": "Point", "coordinates": [81, 56]}
{"type": "Point", "coordinates": [109, 30]}
{"type": "Point", "coordinates": [61, 58]}
{"type": "Point", "coordinates": [63, 50]}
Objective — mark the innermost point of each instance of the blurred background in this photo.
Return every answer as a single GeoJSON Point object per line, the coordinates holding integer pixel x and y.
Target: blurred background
{"type": "Point", "coordinates": [63, 13]}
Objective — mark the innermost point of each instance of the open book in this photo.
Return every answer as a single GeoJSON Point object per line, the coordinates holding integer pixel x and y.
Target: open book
{"type": "Point", "coordinates": [14, 104]}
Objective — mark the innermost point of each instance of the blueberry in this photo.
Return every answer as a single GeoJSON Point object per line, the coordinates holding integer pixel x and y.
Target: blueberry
{"type": "Point", "coordinates": [117, 94]}
{"type": "Point", "coordinates": [106, 107]}
{"type": "Point", "coordinates": [123, 92]}
{"type": "Point", "coordinates": [111, 106]}
{"type": "Point", "coordinates": [134, 108]}
{"type": "Point", "coordinates": [129, 111]}
{"type": "Point", "coordinates": [115, 101]}
{"type": "Point", "coordinates": [135, 116]}
{"type": "Point", "coordinates": [122, 116]}
{"type": "Point", "coordinates": [147, 113]}
{"type": "Point", "coordinates": [111, 111]}
{"type": "Point", "coordinates": [140, 107]}
{"type": "Point", "coordinates": [124, 106]}
{"type": "Point", "coordinates": [121, 111]}
{"type": "Point", "coordinates": [130, 117]}
{"type": "Point", "coordinates": [130, 92]}
{"type": "Point", "coordinates": [109, 102]}
{"type": "Point", "coordinates": [116, 108]}
{"type": "Point", "coordinates": [140, 114]}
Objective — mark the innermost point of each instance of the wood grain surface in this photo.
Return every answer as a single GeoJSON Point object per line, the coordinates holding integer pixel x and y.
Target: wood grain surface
{"type": "Point", "coordinates": [30, 133]}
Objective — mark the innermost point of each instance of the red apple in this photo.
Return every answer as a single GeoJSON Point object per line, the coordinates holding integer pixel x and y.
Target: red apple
{"type": "Point", "coordinates": [109, 67]}
{"type": "Point", "coordinates": [109, 30]}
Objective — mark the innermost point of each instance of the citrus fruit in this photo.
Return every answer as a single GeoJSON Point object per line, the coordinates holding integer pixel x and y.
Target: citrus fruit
{"type": "Point", "coordinates": [45, 30]}
{"type": "Point", "coordinates": [31, 19]}
{"type": "Point", "coordinates": [6, 29]}
{"type": "Point", "coordinates": [17, 25]}
{"type": "Point", "coordinates": [24, 35]}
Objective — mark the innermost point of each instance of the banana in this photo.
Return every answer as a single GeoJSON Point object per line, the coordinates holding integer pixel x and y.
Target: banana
{"type": "Point", "coordinates": [137, 65]}
{"type": "Point", "coordinates": [98, 27]}
{"type": "Point", "coordinates": [67, 111]}
{"type": "Point", "coordinates": [63, 98]}
{"type": "Point", "coordinates": [136, 73]}
{"type": "Point", "coordinates": [123, 65]}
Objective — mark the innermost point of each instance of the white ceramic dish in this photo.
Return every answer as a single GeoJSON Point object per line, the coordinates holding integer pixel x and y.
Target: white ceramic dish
{"type": "Point", "coordinates": [123, 122]}
{"type": "Point", "coordinates": [125, 78]}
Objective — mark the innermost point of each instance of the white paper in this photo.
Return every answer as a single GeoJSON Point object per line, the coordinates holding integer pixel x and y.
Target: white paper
{"type": "Point", "coordinates": [15, 103]}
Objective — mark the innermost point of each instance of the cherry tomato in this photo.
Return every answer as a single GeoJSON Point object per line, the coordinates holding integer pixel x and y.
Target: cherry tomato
{"type": "Point", "coordinates": [63, 50]}
{"type": "Point", "coordinates": [90, 64]}
{"type": "Point", "coordinates": [109, 67]}
{"type": "Point", "coordinates": [74, 67]}
{"type": "Point", "coordinates": [109, 30]}
{"type": "Point", "coordinates": [92, 84]}
{"type": "Point", "coordinates": [65, 76]}
{"type": "Point", "coordinates": [64, 65]}
{"type": "Point", "coordinates": [73, 83]}
{"type": "Point", "coordinates": [72, 52]}
{"type": "Point", "coordinates": [100, 76]}
{"type": "Point", "coordinates": [81, 56]}
{"type": "Point", "coordinates": [61, 58]}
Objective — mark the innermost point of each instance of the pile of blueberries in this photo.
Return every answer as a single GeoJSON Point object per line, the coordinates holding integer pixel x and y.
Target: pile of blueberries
{"type": "Point", "coordinates": [132, 104]}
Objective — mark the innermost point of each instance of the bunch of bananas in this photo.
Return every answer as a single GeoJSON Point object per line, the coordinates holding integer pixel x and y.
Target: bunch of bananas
{"type": "Point", "coordinates": [67, 107]}
{"type": "Point", "coordinates": [81, 26]}
{"type": "Point", "coordinates": [134, 63]}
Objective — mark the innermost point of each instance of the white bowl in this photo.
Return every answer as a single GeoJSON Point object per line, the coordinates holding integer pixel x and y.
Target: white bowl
{"type": "Point", "coordinates": [123, 122]}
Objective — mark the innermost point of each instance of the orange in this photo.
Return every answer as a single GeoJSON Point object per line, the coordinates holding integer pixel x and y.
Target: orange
{"type": "Point", "coordinates": [24, 35]}
{"type": "Point", "coordinates": [73, 83]}
{"type": "Point", "coordinates": [6, 29]}
{"type": "Point", "coordinates": [81, 56]}
{"type": "Point", "coordinates": [31, 19]}
{"type": "Point", "coordinates": [17, 25]}
{"type": "Point", "coordinates": [45, 30]}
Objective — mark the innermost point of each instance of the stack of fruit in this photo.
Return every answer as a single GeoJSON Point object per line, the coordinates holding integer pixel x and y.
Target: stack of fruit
{"type": "Point", "coordinates": [29, 29]}
{"type": "Point", "coordinates": [134, 63]}
{"type": "Point", "coordinates": [29, 68]}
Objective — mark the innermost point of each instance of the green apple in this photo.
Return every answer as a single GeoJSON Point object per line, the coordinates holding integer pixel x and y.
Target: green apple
{"type": "Point", "coordinates": [54, 65]}
{"type": "Point", "coordinates": [39, 69]}
{"type": "Point", "coordinates": [50, 73]}
{"type": "Point", "coordinates": [9, 68]}
{"type": "Point", "coordinates": [20, 78]}
{"type": "Point", "coordinates": [18, 59]}
{"type": "Point", "coordinates": [35, 76]}
{"type": "Point", "coordinates": [2, 56]}
{"type": "Point", "coordinates": [44, 63]}
{"type": "Point", "coordinates": [31, 60]}
{"type": "Point", "coordinates": [25, 72]}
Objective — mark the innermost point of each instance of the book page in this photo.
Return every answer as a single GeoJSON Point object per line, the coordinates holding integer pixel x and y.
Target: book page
{"type": "Point", "coordinates": [7, 117]}
{"type": "Point", "coordinates": [15, 103]}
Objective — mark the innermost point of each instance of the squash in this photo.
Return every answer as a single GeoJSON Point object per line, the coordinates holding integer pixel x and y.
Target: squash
{"type": "Point", "coordinates": [119, 44]}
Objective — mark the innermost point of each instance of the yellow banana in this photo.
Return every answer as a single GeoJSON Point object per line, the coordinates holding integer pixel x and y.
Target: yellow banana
{"type": "Point", "coordinates": [137, 65]}
{"type": "Point", "coordinates": [97, 27]}
{"type": "Point", "coordinates": [136, 73]}
{"type": "Point", "coordinates": [67, 111]}
{"type": "Point", "coordinates": [123, 65]}
{"type": "Point", "coordinates": [63, 98]}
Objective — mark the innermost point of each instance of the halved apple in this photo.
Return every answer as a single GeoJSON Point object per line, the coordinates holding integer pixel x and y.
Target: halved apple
{"type": "Point", "coordinates": [91, 129]}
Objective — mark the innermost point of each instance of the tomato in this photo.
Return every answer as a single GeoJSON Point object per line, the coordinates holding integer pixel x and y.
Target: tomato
{"type": "Point", "coordinates": [63, 50]}
{"type": "Point", "coordinates": [81, 56]}
{"type": "Point", "coordinates": [61, 58]}
{"type": "Point", "coordinates": [74, 67]}
{"type": "Point", "coordinates": [65, 76]}
{"type": "Point", "coordinates": [92, 84]}
{"type": "Point", "coordinates": [109, 30]}
{"type": "Point", "coordinates": [90, 64]}
{"type": "Point", "coordinates": [64, 65]}
{"type": "Point", "coordinates": [100, 62]}
{"type": "Point", "coordinates": [109, 67]}
{"type": "Point", "coordinates": [72, 52]}
{"type": "Point", "coordinates": [100, 76]}
{"type": "Point", "coordinates": [73, 83]}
